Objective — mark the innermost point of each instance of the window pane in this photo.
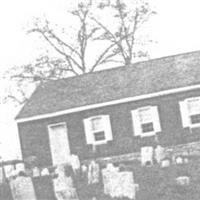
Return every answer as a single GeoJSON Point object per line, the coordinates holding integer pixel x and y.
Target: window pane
{"type": "Point", "coordinates": [145, 115]}
{"type": "Point", "coordinates": [194, 106]}
{"type": "Point", "coordinates": [97, 123]}
{"type": "Point", "coordinates": [195, 119]}
{"type": "Point", "coordinates": [98, 136]}
{"type": "Point", "coordinates": [147, 127]}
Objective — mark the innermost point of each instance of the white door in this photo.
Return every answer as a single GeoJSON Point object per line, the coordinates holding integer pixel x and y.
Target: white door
{"type": "Point", "coordinates": [59, 143]}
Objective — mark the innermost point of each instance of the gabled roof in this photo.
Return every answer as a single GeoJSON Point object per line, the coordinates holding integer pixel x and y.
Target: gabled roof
{"type": "Point", "coordinates": [113, 84]}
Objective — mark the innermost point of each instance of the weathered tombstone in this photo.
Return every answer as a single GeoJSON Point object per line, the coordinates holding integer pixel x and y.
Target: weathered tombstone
{"type": "Point", "coordinates": [119, 184]}
{"type": "Point", "coordinates": [63, 185]}
{"type": "Point", "coordinates": [159, 153]}
{"type": "Point", "coordinates": [22, 188]}
{"type": "Point", "coordinates": [147, 155]}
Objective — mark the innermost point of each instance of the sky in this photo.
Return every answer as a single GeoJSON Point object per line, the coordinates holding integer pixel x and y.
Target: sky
{"type": "Point", "coordinates": [175, 29]}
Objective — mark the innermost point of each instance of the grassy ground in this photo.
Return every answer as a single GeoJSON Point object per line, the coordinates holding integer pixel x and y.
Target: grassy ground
{"type": "Point", "coordinates": [156, 183]}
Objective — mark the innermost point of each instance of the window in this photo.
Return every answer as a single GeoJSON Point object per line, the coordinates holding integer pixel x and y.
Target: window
{"type": "Point", "coordinates": [98, 129]}
{"type": "Point", "coordinates": [190, 112]}
{"type": "Point", "coordinates": [146, 121]}
{"type": "Point", "coordinates": [147, 127]}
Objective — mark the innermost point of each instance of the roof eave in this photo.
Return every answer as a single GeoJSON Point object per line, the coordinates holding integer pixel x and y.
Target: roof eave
{"type": "Point", "coordinates": [114, 102]}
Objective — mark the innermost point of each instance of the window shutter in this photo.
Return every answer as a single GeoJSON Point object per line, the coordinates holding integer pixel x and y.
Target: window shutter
{"type": "Point", "coordinates": [136, 123]}
{"type": "Point", "coordinates": [88, 131]}
{"type": "Point", "coordinates": [184, 113]}
{"type": "Point", "coordinates": [107, 127]}
{"type": "Point", "coordinates": [156, 119]}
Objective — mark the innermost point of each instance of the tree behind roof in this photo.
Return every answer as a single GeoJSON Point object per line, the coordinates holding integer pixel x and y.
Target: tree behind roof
{"type": "Point", "coordinates": [113, 44]}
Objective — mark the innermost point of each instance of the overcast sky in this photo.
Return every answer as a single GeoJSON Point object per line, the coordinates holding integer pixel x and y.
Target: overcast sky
{"type": "Point", "coordinates": [175, 28]}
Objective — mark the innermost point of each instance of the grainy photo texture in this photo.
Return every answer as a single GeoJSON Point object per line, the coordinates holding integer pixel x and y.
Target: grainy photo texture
{"type": "Point", "coordinates": [100, 100]}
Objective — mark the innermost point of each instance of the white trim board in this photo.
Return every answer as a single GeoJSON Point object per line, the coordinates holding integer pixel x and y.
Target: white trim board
{"type": "Point", "coordinates": [98, 105]}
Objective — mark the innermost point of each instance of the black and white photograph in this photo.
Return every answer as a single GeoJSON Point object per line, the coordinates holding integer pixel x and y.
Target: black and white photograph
{"type": "Point", "coordinates": [100, 100]}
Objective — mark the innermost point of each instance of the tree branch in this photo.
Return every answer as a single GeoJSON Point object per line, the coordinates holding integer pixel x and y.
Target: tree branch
{"type": "Point", "coordinates": [118, 43]}
{"type": "Point", "coordinates": [124, 29]}
{"type": "Point", "coordinates": [14, 98]}
{"type": "Point", "coordinates": [73, 50]}
{"type": "Point", "coordinates": [99, 60]}
{"type": "Point", "coordinates": [68, 57]}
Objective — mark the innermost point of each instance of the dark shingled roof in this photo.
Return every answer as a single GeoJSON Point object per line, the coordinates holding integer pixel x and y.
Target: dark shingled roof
{"type": "Point", "coordinates": [117, 83]}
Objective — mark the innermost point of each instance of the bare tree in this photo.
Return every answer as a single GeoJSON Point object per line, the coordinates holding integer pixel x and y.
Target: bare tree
{"type": "Point", "coordinates": [73, 55]}
{"type": "Point", "coordinates": [23, 79]}
{"type": "Point", "coordinates": [130, 19]}
{"type": "Point", "coordinates": [74, 52]}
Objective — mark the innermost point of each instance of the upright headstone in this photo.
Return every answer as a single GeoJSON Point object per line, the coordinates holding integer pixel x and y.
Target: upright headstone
{"type": "Point", "coordinates": [159, 153]}
{"type": "Point", "coordinates": [147, 155]}
{"type": "Point", "coordinates": [63, 185]}
{"type": "Point", "coordinates": [22, 188]}
{"type": "Point", "coordinates": [118, 184]}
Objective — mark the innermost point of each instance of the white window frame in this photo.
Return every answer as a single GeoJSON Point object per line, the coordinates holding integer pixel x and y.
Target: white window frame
{"type": "Point", "coordinates": [137, 129]}
{"type": "Point", "coordinates": [89, 133]}
{"type": "Point", "coordinates": [185, 115]}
